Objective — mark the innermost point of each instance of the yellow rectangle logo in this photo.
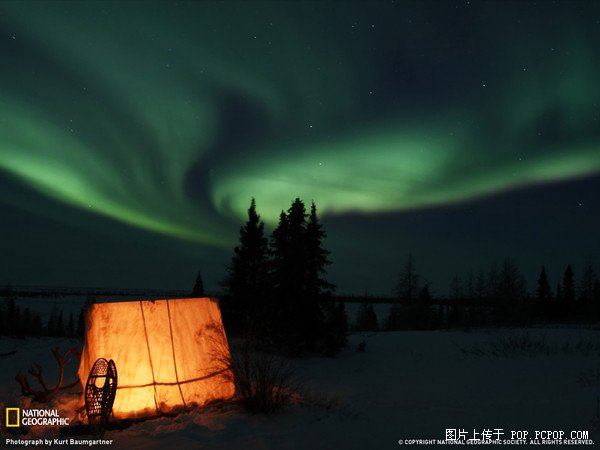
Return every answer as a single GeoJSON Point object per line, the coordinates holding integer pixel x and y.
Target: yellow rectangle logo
{"type": "Point", "coordinates": [17, 415]}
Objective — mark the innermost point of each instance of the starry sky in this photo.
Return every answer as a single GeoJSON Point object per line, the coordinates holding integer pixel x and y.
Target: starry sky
{"type": "Point", "coordinates": [133, 135]}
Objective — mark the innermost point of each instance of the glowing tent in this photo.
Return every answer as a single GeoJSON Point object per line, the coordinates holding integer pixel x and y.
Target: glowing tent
{"type": "Point", "coordinates": [168, 353]}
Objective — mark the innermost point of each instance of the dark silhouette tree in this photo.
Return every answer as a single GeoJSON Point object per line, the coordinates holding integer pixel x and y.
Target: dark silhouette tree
{"type": "Point", "coordinates": [36, 325]}
{"type": "Point", "coordinates": [480, 285]}
{"type": "Point", "coordinates": [596, 297]}
{"type": "Point", "coordinates": [407, 288]}
{"type": "Point", "coordinates": [306, 316]}
{"type": "Point", "coordinates": [287, 275]}
{"type": "Point", "coordinates": [493, 283]}
{"type": "Point", "coordinates": [60, 325]}
{"type": "Point", "coordinates": [70, 330]}
{"type": "Point", "coordinates": [198, 290]}
{"type": "Point", "coordinates": [544, 294]}
{"type": "Point", "coordinates": [396, 319]}
{"type": "Point", "coordinates": [588, 279]}
{"type": "Point", "coordinates": [559, 294]}
{"type": "Point", "coordinates": [366, 319]}
{"type": "Point", "coordinates": [11, 313]}
{"type": "Point", "coordinates": [456, 288]}
{"type": "Point", "coordinates": [335, 328]}
{"type": "Point", "coordinates": [425, 296]}
{"type": "Point", "coordinates": [512, 285]}
{"type": "Point", "coordinates": [246, 281]}
{"type": "Point", "coordinates": [470, 289]}
{"type": "Point", "coordinates": [329, 314]}
{"type": "Point", "coordinates": [51, 326]}
{"type": "Point", "coordinates": [82, 318]}
{"type": "Point", "coordinates": [568, 291]}
{"type": "Point", "coordinates": [425, 318]}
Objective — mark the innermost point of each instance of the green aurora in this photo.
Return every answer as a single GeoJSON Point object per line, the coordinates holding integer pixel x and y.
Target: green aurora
{"type": "Point", "coordinates": [169, 117]}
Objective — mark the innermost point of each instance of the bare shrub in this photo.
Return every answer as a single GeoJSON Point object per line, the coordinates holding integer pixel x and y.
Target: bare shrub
{"type": "Point", "coordinates": [264, 382]}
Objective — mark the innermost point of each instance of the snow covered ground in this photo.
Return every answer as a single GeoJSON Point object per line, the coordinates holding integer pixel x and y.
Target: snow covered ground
{"type": "Point", "coordinates": [406, 385]}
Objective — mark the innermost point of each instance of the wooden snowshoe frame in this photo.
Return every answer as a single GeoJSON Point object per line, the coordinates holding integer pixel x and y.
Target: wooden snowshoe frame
{"type": "Point", "coordinates": [100, 391]}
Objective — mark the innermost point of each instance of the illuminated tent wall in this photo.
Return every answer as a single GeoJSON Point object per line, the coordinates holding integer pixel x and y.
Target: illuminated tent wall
{"type": "Point", "coordinates": [164, 351]}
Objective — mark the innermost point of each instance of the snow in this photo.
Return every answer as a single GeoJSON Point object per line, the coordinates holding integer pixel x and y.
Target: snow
{"type": "Point", "coordinates": [406, 385]}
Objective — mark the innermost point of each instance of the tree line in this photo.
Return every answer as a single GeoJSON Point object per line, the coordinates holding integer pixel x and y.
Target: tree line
{"type": "Point", "coordinates": [496, 297]}
{"type": "Point", "coordinates": [17, 321]}
{"type": "Point", "coordinates": [276, 293]}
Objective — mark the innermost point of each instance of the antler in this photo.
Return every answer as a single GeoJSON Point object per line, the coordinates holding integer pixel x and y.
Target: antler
{"type": "Point", "coordinates": [36, 372]}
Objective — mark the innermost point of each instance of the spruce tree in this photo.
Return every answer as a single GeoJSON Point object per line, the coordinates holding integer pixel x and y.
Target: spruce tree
{"type": "Point", "coordinates": [12, 314]}
{"type": "Point", "coordinates": [295, 322]}
{"type": "Point", "coordinates": [70, 331]}
{"type": "Point", "coordinates": [366, 320]}
{"type": "Point", "coordinates": [457, 288]}
{"type": "Point", "coordinates": [586, 288]}
{"type": "Point", "coordinates": [407, 288]}
{"type": "Point", "coordinates": [81, 319]}
{"type": "Point", "coordinates": [559, 293]}
{"type": "Point", "coordinates": [328, 314]}
{"type": "Point", "coordinates": [198, 290]}
{"type": "Point", "coordinates": [307, 316]}
{"type": "Point", "coordinates": [37, 328]}
{"type": "Point", "coordinates": [568, 291]}
{"type": "Point", "coordinates": [543, 293]}
{"type": "Point", "coordinates": [317, 258]}
{"type": "Point", "coordinates": [480, 285]}
{"type": "Point", "coordinates": [246, 282]}
{"type": "Point", "coordinates": [60, 325]}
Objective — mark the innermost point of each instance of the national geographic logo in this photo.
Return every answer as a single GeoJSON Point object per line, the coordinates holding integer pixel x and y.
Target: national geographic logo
{"type": "Point", "coordinates": [13, 417]}
{"type": "Point", "coordinates": [16, 417]}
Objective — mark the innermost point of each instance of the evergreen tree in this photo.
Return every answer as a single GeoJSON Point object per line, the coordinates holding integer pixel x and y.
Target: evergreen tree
{"type": "Point", "coordinates": [493, 282]}
{"type": "Point", "coordinates": [543, 293]}
{"type": "Point", "coordinates": [81, 319]}
{"type": "Point", "coordinates": [24, 326]}
{"type": "Point", "coordinates": [471, 286]}
{"type": "Point", "coordinates": [300, 318]}
{"type": "Point", "coordinates": [407, 288]}
{"type": "Point", "coordinates": [596, 297]}
{"type": "Point", "coordinates": [366, 319]}
{"type": "Point", "coordinates": [37, 328]}
{"type": "Point", "coordinates": [70, 331]}
{"type": "Point", "coordinates": [568, 289]}
{"type": "Point", "coordinates": [198, 290]}
{"type": "Point", "coordinates": [425, 318]}
{"type": "Point", "coordinates": [586, 288]}
{"type": "Point", "coordinates": [559, 293]}
{"type": "Point", "coordinates": [321, 305]}
{"type": "Point", "coordinates": [480, 285]}
{"type": "Point", "coordinates": [307, 316]}
{"type": "Point", "coordinates": [11, 313]}
{"type": "Point", "coordinates": [60, 325]}
{"type": "Point", "coordinates": [512, 285]}
{"type": "Point", "coordinates": [396, 318]}
{"type": "Point", "coordinates": [336, 328]}
{"type": "Point", "coordinates": [246, 282]}
{"type": "Point", "coordinates": [512, 291]}
{"type": "Point", "coordinates": [52, 321]}
{"type": "Point", "coordinates": [457, 288]}
{"type": "Point", "coordinates": [317, 258]}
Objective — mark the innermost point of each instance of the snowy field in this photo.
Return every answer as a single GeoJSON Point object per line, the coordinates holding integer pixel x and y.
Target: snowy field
{"type": "Point", "coordinates": [406, 385]}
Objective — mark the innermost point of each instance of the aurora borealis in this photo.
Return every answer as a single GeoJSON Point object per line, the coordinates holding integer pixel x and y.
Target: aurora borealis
{"type": "Point", "coordinates": [153, 123]}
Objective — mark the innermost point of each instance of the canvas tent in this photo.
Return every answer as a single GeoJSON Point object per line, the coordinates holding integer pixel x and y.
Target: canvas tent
{"type": "Point", "coordinates": [166, 352]}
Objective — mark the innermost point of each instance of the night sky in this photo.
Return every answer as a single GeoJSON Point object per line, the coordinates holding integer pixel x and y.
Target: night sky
{"type": "Point", "coordinates": [133, 135]}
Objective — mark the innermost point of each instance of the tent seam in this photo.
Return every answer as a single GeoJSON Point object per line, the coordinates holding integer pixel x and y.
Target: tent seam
{"type": "Point", "coordinates": [149, 357]}
{"type": "Point", "coordinates": [173, 351]}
